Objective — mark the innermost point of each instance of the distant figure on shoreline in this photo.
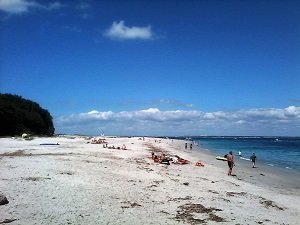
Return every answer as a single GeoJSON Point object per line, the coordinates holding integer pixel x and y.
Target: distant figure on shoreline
{"type": "Point", "coordinates": [230, 162]}
{"type": "Point", "coordinates": [253, 159]}
{"type": "Point", "coordinates": [240, 154]}
{"type": "Point", "coordinates": [185, 146]}
{"type": "Point", "coordinates": [191, 146]}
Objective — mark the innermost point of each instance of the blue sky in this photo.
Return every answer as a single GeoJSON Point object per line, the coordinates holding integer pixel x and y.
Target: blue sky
{"type": "Point", "coordinates": [156, 67]}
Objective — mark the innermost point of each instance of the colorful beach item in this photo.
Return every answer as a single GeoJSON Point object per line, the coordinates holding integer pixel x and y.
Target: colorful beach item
{"type": "Point", "coordinates": [221, 158]}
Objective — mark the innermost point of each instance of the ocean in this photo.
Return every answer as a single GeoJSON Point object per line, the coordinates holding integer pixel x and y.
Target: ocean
{"type": "Point", "coordinates": [282, 152]}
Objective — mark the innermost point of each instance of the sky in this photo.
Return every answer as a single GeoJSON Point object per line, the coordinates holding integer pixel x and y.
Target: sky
{"type": "Point", "coordinates": [206, 67]}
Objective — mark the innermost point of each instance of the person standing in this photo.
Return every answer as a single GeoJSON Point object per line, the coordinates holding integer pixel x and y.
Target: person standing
{"type": "Point", "coordinates": [230, 163]}
{"type": "Point", "coordinates": [191, 146]}
{"type": "Point", "coordinates": [185, 146]}
{"type": "Point", "coordinates": [253, 160]}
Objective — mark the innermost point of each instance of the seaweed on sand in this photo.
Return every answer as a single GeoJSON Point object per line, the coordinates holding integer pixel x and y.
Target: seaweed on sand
{"type": "Point", "coordinates": [185, 213]}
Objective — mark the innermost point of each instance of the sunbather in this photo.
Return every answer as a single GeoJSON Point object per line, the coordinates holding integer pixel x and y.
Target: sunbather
{"type": "Point", "coordinates": [180, 160]}
{"type": "Point", "coordinates": [160, 159]}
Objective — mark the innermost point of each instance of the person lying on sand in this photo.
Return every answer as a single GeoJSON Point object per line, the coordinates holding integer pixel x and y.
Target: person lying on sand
{"type": "Point", "coordinates": [156, 159]}
{"type": "Point", "coordinates": [161, 159]}
{"type": "Point", "coordinates": [152, 155]}
{"type": "Point", "coordinates": [122, 148]}
{"type": "Point", "coordinates": [112, 147]}
{"type": "Point", "coordinates": [98, 141]}
{"type": "Point", "coordinates": [179, 160]}
{"type": "Point", "coordinates": [166, 160]}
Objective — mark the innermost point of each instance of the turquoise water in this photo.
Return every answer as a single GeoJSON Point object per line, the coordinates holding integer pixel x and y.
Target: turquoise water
{"type": "Point", "coordinates": [283, 152]}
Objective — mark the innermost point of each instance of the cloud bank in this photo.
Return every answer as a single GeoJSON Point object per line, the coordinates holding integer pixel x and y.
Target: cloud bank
{"type": "Point", "coordinates": [23, 6]}
{"type": "Point", "coordinates": [120, 31]}
{"type": "Point", "coordinates": [152, 121]}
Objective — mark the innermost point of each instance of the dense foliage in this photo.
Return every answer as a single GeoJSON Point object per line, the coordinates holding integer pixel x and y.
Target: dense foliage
{"type": "Point", "coordinates": [19, 115]}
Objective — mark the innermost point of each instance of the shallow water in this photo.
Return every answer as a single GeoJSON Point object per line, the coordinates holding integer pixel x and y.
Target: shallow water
{"type": "Point", "coordinates": [282, 152]}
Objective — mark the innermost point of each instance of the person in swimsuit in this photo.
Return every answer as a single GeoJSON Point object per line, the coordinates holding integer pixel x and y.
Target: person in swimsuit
{"type": "Point", "coordinates": [253, 159]}
{"type": "Point", "coordinates": [160, 159]}
{"type": "Point", "coordinates": [180, 160]}
{"type": "Point", "coordinates": [230, 162]}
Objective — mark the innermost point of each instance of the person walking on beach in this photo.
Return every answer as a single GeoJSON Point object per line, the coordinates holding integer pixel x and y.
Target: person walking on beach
{"type": "Point", "coordinates": [185, 145]}
{"type": "Point", "coordinates": [191, 146]}
{"type": "Point", "coordinates": [230, 163]}
{"type": "Point", "coordinates": [253, 159]}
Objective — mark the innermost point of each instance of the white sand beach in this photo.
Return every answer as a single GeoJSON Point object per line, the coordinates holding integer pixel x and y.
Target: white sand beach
{"type": "Point", "coordinates": [77, 182]}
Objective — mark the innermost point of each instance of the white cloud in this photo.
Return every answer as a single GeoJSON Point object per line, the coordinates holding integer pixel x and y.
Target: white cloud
{"type": "Point", "coordinates": [23, 6]}
{"type": "Point", "coordinates": [152, 121]}
{"type": "Point", "coordinates": [93, 112]}
{"type": "Point", "coordinates": [241, 122]}
{"type": "Point", "coordinates": [120, 31]}
{"type": "Point", "coordinates": [16, 6]}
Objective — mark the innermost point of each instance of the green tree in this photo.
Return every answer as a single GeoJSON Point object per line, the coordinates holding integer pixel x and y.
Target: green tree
{"type": "Point", "coordinates": [19, 115]}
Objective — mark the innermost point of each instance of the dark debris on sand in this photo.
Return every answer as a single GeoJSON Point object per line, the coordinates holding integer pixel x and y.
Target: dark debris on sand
{"type": "Point", "coordinates": [130, 205]}
{"type": "Point", "coordinates": [22, 153]}
{"type": "Point", "coordinates": [3, 199]}
{"type": "Point", "coordinates": [269, 203]}
{"type": "Point", "coordinates": [36, 178]}
{"type": "Point", "coordinates": [7, 221]}
{"type": "Point", "coordinates": [180, 199]}
{"type": "Point", "coordinates": [185, 213]}
{"type": "Point", "coordinates": [16, 153]}
{"type": "Point", "coordinates": [236, 193]}
{"type": "Point", "coordinates": [155, 149]}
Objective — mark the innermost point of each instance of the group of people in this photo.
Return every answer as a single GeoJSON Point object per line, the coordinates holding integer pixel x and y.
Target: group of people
{"type": "Point", "coordinates": [98, 141]}
{"type": "Point", "coordinates": [186, 145]}
{"type": "Point", "coordinates": [113, 147]}
{"type": "Point", "coordinates": [163, 159]}
{"type": "Point", "coordinates": [230, 161]}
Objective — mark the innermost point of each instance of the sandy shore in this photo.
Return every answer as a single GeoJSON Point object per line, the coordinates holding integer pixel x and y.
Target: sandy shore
{"type": "Point", "coordinates": [76, 182]}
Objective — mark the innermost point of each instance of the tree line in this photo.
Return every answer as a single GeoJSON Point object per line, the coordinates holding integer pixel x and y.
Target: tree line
{"type": "Point", "coordinates": [19, 115]}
